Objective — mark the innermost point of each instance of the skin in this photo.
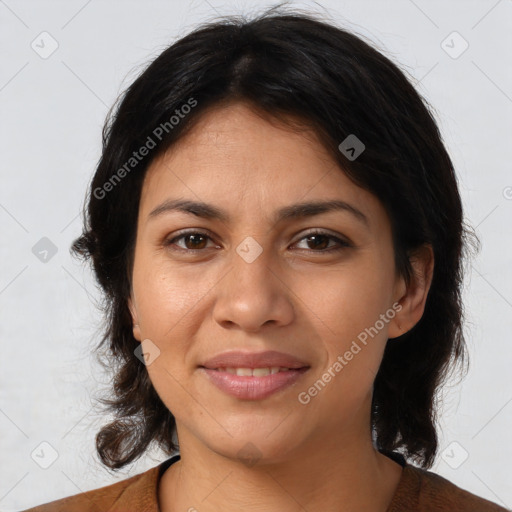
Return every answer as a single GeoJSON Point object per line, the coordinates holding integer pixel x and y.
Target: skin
{"type": "Point", "coordinates": [293, 298]}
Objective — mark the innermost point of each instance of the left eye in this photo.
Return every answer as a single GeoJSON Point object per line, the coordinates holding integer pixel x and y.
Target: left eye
{"type": "Point", "coordinates": [317, 241]}
{"type": "Point", "coordinates": [320, 240]}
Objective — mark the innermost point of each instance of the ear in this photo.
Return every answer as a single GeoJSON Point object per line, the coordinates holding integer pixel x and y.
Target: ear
{"type": "Point", "coordinates": [412, 298]}
{"type": "Point", "coordinates": [135, 320]}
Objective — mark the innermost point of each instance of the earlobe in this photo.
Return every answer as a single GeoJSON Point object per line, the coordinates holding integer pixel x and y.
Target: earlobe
{"type": "Point", "coordinates": [135, 320]}
{"type": "Point", "coordinates": [412, 302]}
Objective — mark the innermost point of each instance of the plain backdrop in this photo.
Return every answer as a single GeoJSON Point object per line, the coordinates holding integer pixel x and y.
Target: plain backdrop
{"type": "Point", "coordinates": [62, 66]}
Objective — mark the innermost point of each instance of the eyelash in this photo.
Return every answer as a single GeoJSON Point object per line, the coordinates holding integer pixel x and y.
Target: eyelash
{"type": "Point", "coordinates": [342, 244]}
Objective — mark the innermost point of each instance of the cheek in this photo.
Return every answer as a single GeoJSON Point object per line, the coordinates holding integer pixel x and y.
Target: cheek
{"type": "Point", "coordinates": [168, 305]}
{"type": "Point", "coordinates": [346, 309]}
{"type": "Point", "coordinates": [166, 296]}
{"type": "Point", "coordinates": [348, 304]}
{"type": "Point", "coordinates": [349, 300]}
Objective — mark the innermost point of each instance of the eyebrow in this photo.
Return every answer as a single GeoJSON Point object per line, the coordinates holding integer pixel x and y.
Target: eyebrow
{"type": "Point", "coordinates": [294, 211]}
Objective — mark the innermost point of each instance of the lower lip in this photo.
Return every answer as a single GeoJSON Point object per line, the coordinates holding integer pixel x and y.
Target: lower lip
{"type": "Point", "coordinates": [250, 387]}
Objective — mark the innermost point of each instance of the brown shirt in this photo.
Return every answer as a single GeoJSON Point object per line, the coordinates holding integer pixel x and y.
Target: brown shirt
{"type": "Point", "coordinates": [419, 490]}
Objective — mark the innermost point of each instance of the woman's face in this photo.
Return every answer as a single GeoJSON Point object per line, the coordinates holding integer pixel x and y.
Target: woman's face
{"type": "Point", "coordinates": [256, 281]}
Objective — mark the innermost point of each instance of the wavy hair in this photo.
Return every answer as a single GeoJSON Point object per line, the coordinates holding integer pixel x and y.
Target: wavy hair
{"type": "Point", "coordinates": [288, 65]}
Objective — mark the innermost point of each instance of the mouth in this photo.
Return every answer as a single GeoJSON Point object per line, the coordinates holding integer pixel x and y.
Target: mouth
{"type": "Point", "coordinates": [253, 383]}
{"type": "Point", "coordinates": [254, 372]}
{"type": "Point", "coordinates": [253, 375]}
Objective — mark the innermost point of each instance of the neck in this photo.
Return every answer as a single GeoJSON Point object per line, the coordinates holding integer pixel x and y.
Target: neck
{"type": "Point", "coordinates": [345, 474]}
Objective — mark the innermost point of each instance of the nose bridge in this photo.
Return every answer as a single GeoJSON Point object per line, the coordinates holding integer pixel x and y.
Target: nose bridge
{"type": "Point", "coordinates": [252, 263]}
{"type": "Point", "coordinates": [251, 270]}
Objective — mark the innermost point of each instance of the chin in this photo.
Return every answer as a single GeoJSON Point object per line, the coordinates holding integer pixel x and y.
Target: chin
{"type": "Point", "coordinates": [257, 449]}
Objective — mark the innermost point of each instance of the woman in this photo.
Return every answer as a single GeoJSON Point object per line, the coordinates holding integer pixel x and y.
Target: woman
{"type": "Point", "coordinates": [277, 229]}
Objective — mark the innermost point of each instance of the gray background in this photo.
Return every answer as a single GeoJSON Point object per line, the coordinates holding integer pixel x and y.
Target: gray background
{"type": "Point", "coordinates": [52, 111]}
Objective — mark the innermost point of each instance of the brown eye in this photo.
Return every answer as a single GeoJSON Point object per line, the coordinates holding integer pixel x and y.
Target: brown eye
{"type": "Point", "coordinates": [190, 241]}
{"type": "Point", "coordinates": [195, 241]}
{"type": "Point", "coordinates": [318, 241]}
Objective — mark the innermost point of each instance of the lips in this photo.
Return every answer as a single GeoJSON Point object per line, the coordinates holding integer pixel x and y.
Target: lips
{"type": "Point", "coordinates": [251, 387]}
{"type": "Point", "coordinates": [253, 376]}
{"type": "Point", "coordinates": [268, 359]}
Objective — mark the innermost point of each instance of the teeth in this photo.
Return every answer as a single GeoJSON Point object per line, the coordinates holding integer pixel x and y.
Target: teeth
{"type": "Point", "coordinates": [256, 372]}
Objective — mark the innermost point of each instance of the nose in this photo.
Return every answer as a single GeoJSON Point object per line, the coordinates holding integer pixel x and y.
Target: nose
{"type": "Point", "coordinates": [252, 295]}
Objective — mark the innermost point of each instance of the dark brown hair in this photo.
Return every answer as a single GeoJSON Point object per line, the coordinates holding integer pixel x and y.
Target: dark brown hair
{"type": "Point", "coordinates": [287, 65]}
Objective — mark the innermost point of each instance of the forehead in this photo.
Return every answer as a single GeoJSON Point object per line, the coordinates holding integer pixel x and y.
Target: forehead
{"type": "Point", "coordinates": [244, 162]}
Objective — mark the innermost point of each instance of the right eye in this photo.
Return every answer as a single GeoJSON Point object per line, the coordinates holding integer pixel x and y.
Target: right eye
{"type": "Point", "coordinates": [192, 240]}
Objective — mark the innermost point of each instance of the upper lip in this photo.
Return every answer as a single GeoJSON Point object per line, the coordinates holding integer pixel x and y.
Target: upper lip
{"type": "Point", "coordinates": [239, 359]}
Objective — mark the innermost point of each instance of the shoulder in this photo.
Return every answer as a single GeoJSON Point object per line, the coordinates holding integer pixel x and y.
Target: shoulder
{"type": "Point", "coordinates": [424, 491]}
{"type": "Point", "coordinates": [137, 492]}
